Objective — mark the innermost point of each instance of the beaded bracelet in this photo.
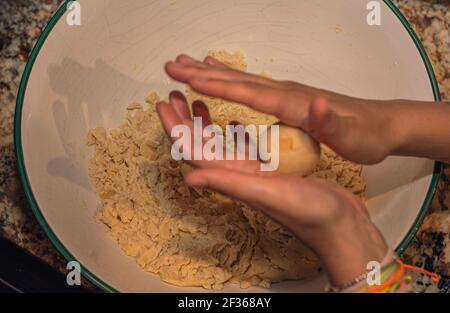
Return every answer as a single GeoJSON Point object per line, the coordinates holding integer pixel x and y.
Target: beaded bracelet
{"type": "Point", "coordinates": [356, 283]}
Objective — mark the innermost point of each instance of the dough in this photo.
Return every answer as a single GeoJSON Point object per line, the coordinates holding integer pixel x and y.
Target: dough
{"type": "Point", "coordinates": [194, 237]}
{"type": "Point", "coordinates": [299, 153]}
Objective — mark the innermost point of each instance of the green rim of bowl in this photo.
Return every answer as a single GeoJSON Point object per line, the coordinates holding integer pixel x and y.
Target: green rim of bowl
{"type": "Point", "coordinates": [19, 151]}
{"type": "Point", "coordinates": [58, 244]}
{"type": "Point", "coordinates": [437, 97]}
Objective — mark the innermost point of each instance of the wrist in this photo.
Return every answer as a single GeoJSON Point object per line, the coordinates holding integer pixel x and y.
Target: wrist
{"type": "Point", "coordinates": [399, 133]}
{"type": "Point", "coordinates": [349, 250]}
{"type": "Point", "coordinates": [369, 277]}
{"type": "Point", "coordinates": [394, 134]}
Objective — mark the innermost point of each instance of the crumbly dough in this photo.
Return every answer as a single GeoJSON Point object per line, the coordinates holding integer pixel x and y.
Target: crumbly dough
{"type": "Point", "coordinates": [190, 236]}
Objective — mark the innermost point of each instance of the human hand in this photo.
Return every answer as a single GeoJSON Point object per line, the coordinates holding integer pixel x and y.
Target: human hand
{"type": "Point", "coordinates": [359, 130]}
{"type": "Point", "coordinates": [332, 221]}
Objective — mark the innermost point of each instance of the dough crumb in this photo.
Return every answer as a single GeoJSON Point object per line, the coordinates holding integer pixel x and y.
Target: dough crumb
{"type": "Point", "coordinates": [134, 106]}
{"type": "Point", "coordinates": [152, 98]}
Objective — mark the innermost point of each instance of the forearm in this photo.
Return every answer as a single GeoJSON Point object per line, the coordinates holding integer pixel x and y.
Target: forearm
{"type": "Point", "coordinates": [420, 129]}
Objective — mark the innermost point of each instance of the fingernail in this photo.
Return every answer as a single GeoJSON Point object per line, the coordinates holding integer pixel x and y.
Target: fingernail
{"type": "Point", "coordinates": [211, 60]}
{"type": "Point", "coordinates": [175, 94]}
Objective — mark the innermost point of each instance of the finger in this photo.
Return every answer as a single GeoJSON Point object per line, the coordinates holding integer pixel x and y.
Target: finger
{"type": "Point", "coordinates": [179, 102]}
{"type": "Point", "coordinates": [245, 148]}
{"type": "Point", "coordinates": [185, 73]}
{"type": "Point", "coordinates": [200, 109]}
{"type": "Point", "coordinates": [254, 95]}
{"type": "Point", "coordinates": [236, 135]}
{"type": "Point", "coordinates": [267, 193]}
{"type": "Point", "coordinates": [185, 59]}
{"type": "Point", "coordinates": [262, 98]}
{"type": "Point", "coordinates": [250, 188]}
{"type": "Point", "coordinates": [243, 164]}
{"type": "Point", "coordinates": [168, 116]}
{"type": "Point", "coordinates": [248, 138]}
{"type": "Point", "coordinates": [214, 62]}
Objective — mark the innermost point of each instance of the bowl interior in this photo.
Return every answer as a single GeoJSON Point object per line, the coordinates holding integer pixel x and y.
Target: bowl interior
{"type": "Point", "coordinates": [85, 76]}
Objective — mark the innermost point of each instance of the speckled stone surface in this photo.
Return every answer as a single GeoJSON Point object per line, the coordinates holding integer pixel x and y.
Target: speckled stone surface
{"type": "Point", "coordinates": [431, 246]}
{"type": "Point", "coordinates": [20, 25]}
{"type": "Point", "coordinates": [21, 22]}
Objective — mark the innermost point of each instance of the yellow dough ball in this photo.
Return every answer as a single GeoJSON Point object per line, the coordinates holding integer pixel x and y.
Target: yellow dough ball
{"type": "Point", "coordinates": [299, 152]}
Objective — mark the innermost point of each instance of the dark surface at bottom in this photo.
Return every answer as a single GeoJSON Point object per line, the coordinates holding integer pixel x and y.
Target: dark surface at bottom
{"type": "Point", "coordinates": [22, 272]}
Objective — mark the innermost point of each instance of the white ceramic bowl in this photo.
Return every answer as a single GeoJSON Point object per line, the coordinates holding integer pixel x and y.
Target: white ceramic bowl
{"type": "Point", "coordinates": [79, 77]}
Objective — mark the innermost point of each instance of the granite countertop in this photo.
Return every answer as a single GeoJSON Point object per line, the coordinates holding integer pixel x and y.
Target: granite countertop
{"type": "Point", "coordinates": [21, 22]}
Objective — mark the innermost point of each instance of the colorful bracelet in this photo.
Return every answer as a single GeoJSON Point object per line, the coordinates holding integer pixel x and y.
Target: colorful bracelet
{"type": "Point", "coordinates": [394, 278]}
{"type": "Point", "coordinates": [398, 280]}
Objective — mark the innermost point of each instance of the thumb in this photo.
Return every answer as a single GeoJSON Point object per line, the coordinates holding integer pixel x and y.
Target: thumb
{"type": "Point", "coordinates": [274, 195]}
{"type": "Point", "coordinates": [254, 189]}
{"type": "Point", "coordinates": [325, 124]}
